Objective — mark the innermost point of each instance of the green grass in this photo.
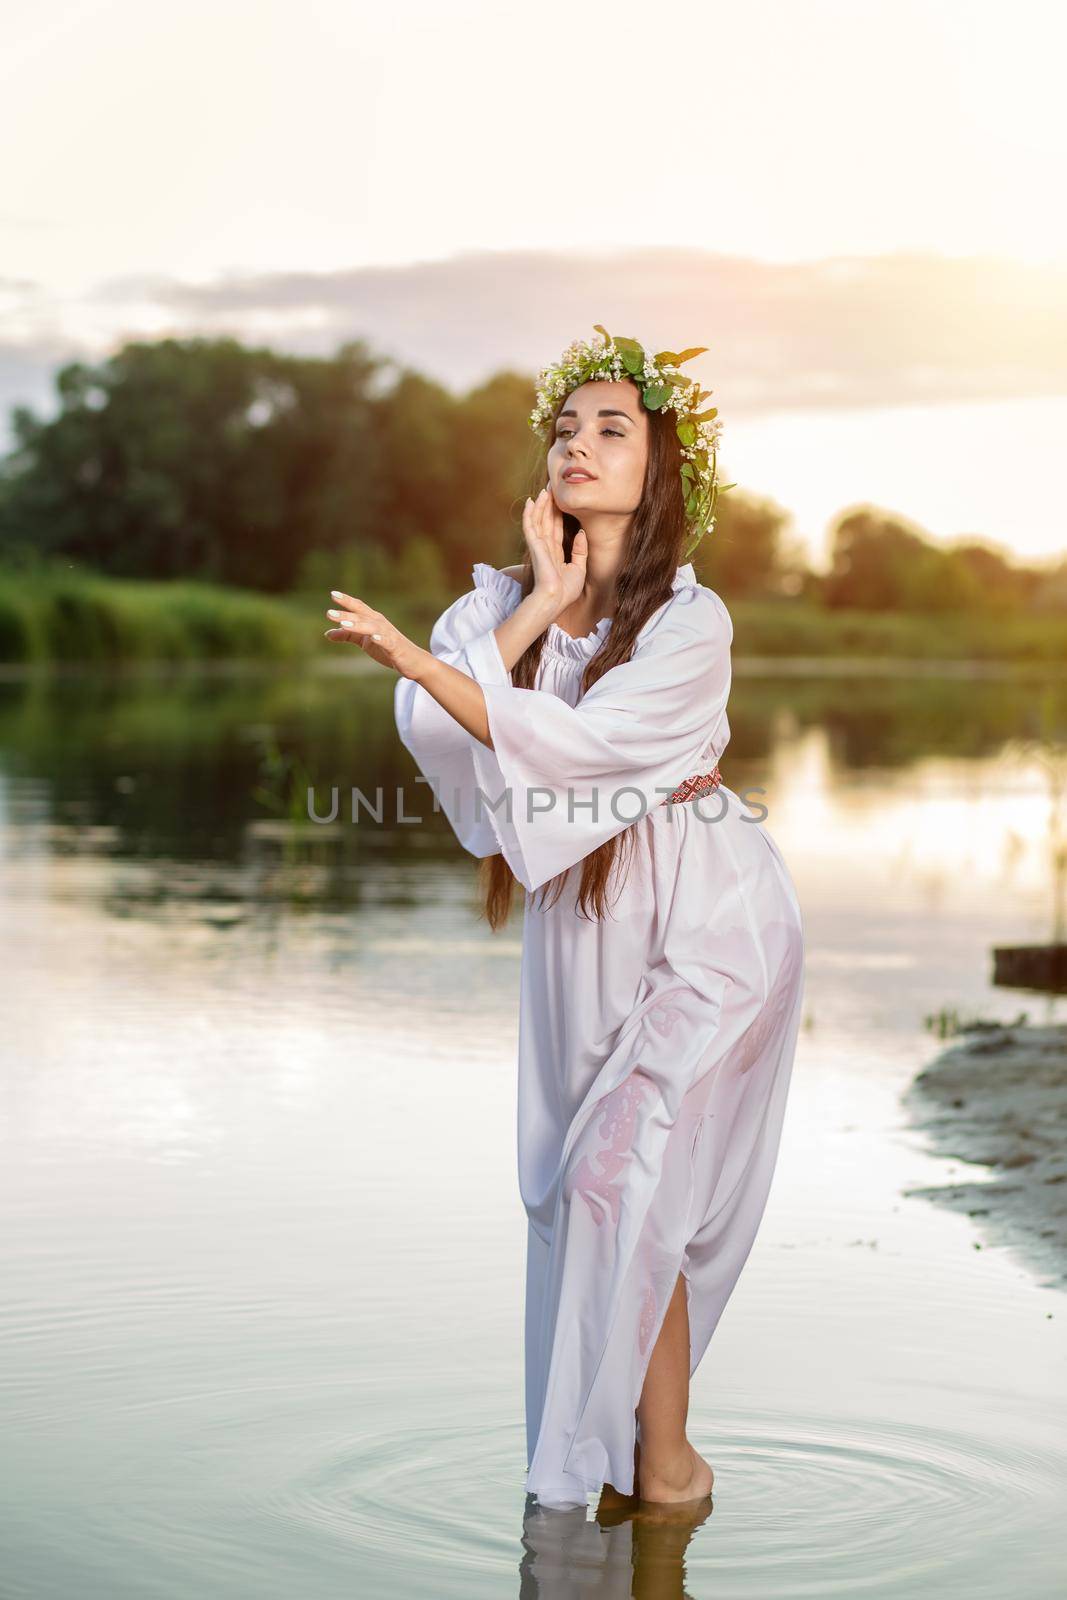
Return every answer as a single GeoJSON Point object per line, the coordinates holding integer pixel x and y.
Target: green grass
{"type": "Point", "coordinates": [798, 628]}
{"type": "Point", "coordinates": [56, 614]}
{"type": "Point", "coordinates": [64, 614]}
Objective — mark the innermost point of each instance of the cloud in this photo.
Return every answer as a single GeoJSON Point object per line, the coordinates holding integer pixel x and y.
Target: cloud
{"type": "Point", "coordinates": [845, 331]}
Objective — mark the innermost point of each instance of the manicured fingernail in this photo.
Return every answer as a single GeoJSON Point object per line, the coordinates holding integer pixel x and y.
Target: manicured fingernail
{"type": "Point", "coordinates": [336, 593]}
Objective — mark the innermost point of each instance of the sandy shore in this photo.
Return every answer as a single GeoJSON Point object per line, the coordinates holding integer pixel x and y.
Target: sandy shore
{"type": "Point", "coordinates": [999, 1097]}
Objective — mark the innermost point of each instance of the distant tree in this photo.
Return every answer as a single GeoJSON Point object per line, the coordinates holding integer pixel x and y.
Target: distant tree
{"type": "Point", "coordinates": [496, 460]}
{"type": "Point", "coordinates": [746, 555]}
{"type": "Point", "coordinates": [198, 458]}
{"type": "Point", "coordinates": [1049, 594]}
{"type": "Point", "coordinates": [882, 562]}
{"type": "Point", "coordinates": [1000, 587]}
{"type": "Point", "coordinates": [413, 432]}
{"type": "Point", "coordinates": [455, 470]}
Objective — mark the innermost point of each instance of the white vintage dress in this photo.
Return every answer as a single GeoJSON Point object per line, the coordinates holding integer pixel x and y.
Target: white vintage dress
{"type": "Point", "coordinates": [655, 1046]}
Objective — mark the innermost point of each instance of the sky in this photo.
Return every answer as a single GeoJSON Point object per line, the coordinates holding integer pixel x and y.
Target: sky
{"type": "Point", "coordinates": [852, 203]}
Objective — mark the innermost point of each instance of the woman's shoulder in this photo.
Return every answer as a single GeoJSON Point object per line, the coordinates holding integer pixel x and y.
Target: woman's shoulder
{"type": "Point", "coordinates": [694, 607]}
{"type": "Point", "coordinates": [493, 595]}
{"type": "Point", "coordinates": [713, 606]}
{"type": "Point", "coordinates": [503, 581]}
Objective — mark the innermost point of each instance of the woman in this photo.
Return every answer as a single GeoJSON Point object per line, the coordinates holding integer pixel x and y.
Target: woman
{"type": "Point", "coordinates": [658, 1022]}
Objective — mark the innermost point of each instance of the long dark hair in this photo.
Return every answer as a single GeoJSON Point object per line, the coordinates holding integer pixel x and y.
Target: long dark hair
{"type": "Point", "coordinates": [644, 582]}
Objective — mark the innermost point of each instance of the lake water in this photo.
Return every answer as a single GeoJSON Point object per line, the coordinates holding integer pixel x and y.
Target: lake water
{"type": "Point", "coordinates": [262, 1252]}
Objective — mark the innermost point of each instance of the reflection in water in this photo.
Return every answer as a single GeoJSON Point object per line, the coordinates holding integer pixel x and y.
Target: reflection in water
{"type": "Point", "coordinates": [261, 1322]}
{"type": "Point", "coordinates": [183, 767]}
{"type": "Point", "coordinates": [621, 1553]}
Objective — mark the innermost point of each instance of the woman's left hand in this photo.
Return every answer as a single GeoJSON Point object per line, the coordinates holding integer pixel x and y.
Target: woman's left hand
{"type": "Point", "coordinates": [557, 581]}
{"type": "Point", "coordinates": [356, 623]}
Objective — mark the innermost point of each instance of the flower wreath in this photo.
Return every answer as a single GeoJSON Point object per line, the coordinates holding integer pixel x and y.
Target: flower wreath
{"type": "Point", "coordinates": [663, 388]}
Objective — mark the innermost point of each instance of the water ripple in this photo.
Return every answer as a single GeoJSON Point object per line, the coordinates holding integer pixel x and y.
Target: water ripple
{"type": "Point", "coordinates": [862, 1504]}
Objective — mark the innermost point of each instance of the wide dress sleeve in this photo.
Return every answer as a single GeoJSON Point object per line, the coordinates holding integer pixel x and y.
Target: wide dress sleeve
{"type": "Point", "coordinates": [561, 779]}
{"type": "Point", "coordinates": [572, 777]}
{"type": "Point", "coordinates": [442, 747]}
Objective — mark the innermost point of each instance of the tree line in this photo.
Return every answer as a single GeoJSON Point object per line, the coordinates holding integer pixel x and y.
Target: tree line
{"type": "Point", "coordinates": [210, 459]}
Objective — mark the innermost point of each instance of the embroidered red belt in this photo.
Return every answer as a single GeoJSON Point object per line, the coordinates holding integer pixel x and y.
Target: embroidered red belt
{"type": "Point", "coordinates": [693, 788]}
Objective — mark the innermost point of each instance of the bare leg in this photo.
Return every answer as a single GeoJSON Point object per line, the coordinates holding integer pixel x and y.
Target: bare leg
{"type": "Point", "coordinates": [669, 1469]}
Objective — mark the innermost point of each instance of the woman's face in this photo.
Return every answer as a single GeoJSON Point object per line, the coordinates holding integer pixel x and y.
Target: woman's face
{"type": "Point", "coordinates": [602, 432]}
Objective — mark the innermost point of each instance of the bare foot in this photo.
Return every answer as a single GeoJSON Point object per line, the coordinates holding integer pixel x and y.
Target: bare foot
{"type": "Point", "coordinates": [688, 1478]}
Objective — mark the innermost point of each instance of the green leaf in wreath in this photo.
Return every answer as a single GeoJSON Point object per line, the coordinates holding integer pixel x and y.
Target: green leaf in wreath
{"type": "Point", "coordinates": [632, 360]}
{"type": "Point", "coordinates": [656, 396]}
{"type": "Point", "coordinates": [687, 433]}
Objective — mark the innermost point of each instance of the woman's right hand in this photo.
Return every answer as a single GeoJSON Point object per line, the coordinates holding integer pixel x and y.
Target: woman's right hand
{"type": "Point", "coordinates": [355, 622]}
{"type": "Point", "coordinates": [557, 581]}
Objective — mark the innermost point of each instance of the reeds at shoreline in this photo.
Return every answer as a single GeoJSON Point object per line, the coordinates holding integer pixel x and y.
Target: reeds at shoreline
{"type": "Point", "coordinates": [63, 614]}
